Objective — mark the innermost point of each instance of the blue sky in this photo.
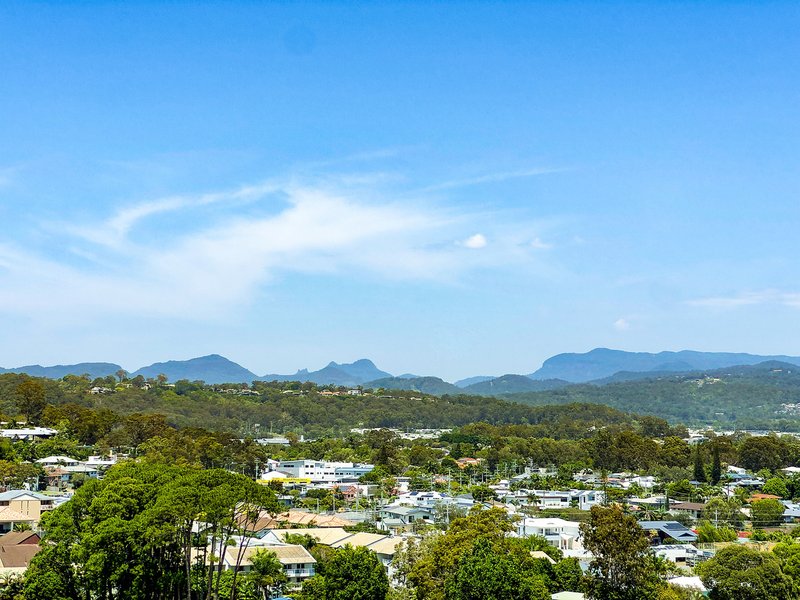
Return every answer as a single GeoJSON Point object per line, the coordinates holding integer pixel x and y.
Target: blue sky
{"type": "Point", "coordinates": [449, 189]}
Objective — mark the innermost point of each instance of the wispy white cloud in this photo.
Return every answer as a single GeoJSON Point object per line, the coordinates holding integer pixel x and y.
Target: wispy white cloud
{"type": "Point", "coordinates": [754, 298]}
{"type": "Point", "coordinates": [209, 267]}
{"type": "Point", "coordinates": [493, 178]}
{"type": "Point", "coordinates": [113, 231]}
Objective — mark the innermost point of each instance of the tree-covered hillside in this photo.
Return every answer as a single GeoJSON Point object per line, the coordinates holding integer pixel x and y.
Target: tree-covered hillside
{"type": "Point", "coordinates": [293, 407]}
{"type": "Point", "coordinates": [745, 397]}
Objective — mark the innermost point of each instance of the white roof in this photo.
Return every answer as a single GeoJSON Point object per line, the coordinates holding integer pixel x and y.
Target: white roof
{"type": "Point", "coordinates": [554, 522]}
{"type": "Point", "coordinates": [28, 431]}
{"type": "Point", "coordinates": [275, 475]}
{"type": "Point", "coordinates": [47, 460]}
{"type": "Point", "coordinates": [688, 582]}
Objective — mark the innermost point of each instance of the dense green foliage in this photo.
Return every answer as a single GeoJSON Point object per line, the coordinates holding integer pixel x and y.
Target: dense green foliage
{"type": "Point", "coordinates": [623, 567]}
{"type": "Point", "coordinates": [475, 558]}
{"type": "Point", "coordinates": [483, 572]}
{"type": "Point", "coordinates": [744, 397]}
{"type": "Point", "coordinates": [740, 573]}
{"type": "Point", "coordinates": [131, 535]}
{"type": "Point", "coordinates": [348, 574]}
{"type": "Point", "coordinates": [289, 407]}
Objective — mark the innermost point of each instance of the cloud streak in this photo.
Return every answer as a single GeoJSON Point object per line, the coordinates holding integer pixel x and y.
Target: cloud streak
{"type": "Point", "coordinates": [755, 298]}
{"type": "Point", "coordinates": [493, 178]}
{"type": "Point", "coordinates": [113, 232]}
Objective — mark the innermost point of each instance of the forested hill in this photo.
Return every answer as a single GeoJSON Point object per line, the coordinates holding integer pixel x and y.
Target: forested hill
{"type": "Point", "coordinates": [425, 385]}
{"type": "Point", "coordinates": [511, 384]}
{"type": "Point", "coordinates": [293, 407]}
{"type": "Point", "coordinates": [742, 397]}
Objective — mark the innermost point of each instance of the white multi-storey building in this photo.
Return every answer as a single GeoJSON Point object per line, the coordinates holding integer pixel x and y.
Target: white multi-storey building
{"type": "Point", "coordinates": [320, 471]}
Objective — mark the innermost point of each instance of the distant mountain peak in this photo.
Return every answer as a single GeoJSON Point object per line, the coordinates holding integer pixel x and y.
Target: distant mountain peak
{"type": "Point", "coordinates": [212, 368]}
{"type": "Point", "coordinates": [346, 374]}
{"type": "Point", "coordinates": [363, 362]}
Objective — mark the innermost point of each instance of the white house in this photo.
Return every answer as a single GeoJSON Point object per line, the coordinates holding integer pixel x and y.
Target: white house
{"type": "Point", "coordinates": [544, 499]}
{"type": "Point", "coordinates": [58, 460]}
{"type": "Point", "coordinates": [562, 534]}
{"type": "Point", "coordinates": [683, 555]}
{"type": "Point", "coordinates": [28, 433]}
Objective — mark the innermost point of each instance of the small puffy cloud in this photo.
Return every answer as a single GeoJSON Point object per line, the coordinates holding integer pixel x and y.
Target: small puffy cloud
{"type": "Point", "coordinates": [476, 241]}
{"type": "Point", "coordinates": [622, 324]}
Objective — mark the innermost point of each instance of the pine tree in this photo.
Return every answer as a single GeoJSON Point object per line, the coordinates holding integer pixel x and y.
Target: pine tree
{"type": "Point", "coordinates": [716, 467]}
{"type": "Point", "coordinates": [699, 467]}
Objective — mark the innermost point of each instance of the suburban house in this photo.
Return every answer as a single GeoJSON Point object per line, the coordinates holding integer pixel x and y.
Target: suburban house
{"type": "Point", "coordinates": [693, 509]}
{"type": "Point", "coordinates": [17, 548]}
{"type": "Point", "coordinates": [65, 461]}
{"type": "Point", "coordinates": [564, 535]}
{"type": "Point", "coordinates": [792, 511]}
{"type": "Point", "coordinates": [22, 506]}
{"type": "Point", "coordinates": [298, 564]}
{"type": "Point", "coordinates": [383, 545]}
{"type": "Point", "coordinates": [296, 518]}
{"type": "Point", "coordinates": [683, 555]}
{"type": "Point", "coordinates": [544, 499]}
{"type": "Point", "coordinates": [668, 530]}
{"type": "Point", "coordinates": [467, 461]}
{"type": "Point", "coordinates": [28, 434]}
{"type": "Point", "coordinates": [401, 518]}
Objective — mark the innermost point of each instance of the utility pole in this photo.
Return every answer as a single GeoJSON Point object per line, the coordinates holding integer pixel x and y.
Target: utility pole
{"type": "Point", "coordinates": [449, 498]}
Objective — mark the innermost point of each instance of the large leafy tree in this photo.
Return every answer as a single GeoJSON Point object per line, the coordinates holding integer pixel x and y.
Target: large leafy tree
{"type": "Point", "coordinates": [789, 554]}
{"type": "Point", "coordinates": [349, 574]}
{"type": "Point", "coordinates": [484, 573]}
{"type": "Point", "coordinates": [767, 513]}
{"type": "Point", "coordinates": [475, 558]}
{"type": "Point", "coordinates": [623, 567]}
{"type": "Point", "coordinates": [131, 535]}
{"type": "Point", "coordinates": [763, 452]}
{"type": "Point", "coordinates": [31, 399]}
{"type": "Point", "coordinates": [426, 565]}
{"type": "Point", "coordinates": [776, 486]}
{"type": "Point", "coordinates": [721, 511]}
{"type": "Point", "coordinates": [741, 573]}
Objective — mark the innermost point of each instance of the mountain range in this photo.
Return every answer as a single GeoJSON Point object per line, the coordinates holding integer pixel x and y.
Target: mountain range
{"type": "Point", "coordinates": [93, 370]}
{"type": "Point", "coordinates": [599, 366]}
{"type": "Point", "coordinates": [603, 362]}
{"type": "Point", "coordinates": [347, 374]}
